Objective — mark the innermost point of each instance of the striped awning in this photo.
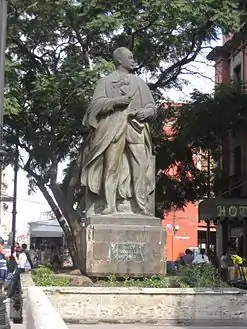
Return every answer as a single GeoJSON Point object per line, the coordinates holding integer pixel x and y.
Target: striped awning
{"type": "Point", "coordinates": [219, 209]}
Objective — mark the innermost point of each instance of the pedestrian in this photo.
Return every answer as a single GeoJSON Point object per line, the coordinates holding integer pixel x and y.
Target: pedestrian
{"type": "Point", "coordinates": [201, 258]}
{"type": "Point", "coordinates": [213, 259]}
{"type": "Point", "coordinates": [17, 249]}
{"type": "Point", "coordinates": [224, 266]}
{"type": "Point", "coordinates": [3, 264]}
{"type": "Point", "coordinates": [187, 259]}
{"type": "Point", "coordinates": [23, 264]}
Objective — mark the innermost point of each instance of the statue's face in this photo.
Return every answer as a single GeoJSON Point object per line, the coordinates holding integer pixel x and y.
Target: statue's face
{"type": "Point", "coordinates": [127, 60]}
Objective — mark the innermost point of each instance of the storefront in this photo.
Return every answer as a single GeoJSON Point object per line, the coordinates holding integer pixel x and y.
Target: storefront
{"type": "Point", "coordinates": [47, 238]}
{"type": "Point", "coordinates": [230, 216]}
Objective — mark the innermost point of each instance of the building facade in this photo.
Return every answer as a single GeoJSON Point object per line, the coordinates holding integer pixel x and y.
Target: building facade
{"type": "Point", "coordinates": [231, 65]}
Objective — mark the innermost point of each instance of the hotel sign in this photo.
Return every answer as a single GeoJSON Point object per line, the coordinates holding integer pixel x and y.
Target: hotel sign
{"type": "Point", "coordinates": [232, 211]}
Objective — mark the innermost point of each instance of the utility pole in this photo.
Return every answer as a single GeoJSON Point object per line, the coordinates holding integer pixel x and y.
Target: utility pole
{"type": "Point", "coordinates": [14, 212]}
{"type": "Point", "coordinates": [3, 25]}
{"type": "Point", "coordinates": [208, 195]}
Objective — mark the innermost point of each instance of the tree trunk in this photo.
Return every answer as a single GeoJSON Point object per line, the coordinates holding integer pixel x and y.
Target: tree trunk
{"type": "Point", "coordinates": [78, 237]}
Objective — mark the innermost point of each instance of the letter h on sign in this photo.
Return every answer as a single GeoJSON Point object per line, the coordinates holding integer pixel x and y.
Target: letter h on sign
{"type": "Point", "coordinates": [221, 211]}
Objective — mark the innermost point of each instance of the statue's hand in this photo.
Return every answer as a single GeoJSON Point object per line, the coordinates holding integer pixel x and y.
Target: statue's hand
{"type": "Point", "coordinates": [141, 115]}
{"type": "Point", "coordinates": [123, 101]}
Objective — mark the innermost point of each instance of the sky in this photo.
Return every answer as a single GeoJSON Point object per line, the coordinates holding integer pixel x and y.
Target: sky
{"type": "Point", "coordinates": [30, 207]}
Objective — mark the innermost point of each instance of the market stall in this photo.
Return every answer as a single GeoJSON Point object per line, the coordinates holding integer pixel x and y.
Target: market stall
{"type": "Point", "coordinates": [47, 239]}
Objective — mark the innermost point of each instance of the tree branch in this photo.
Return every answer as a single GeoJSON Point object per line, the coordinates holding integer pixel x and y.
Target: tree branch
{"type": "Point", "coordinates": [199, 74]}
{"type": "Point", "coordinates": [141, 29]}
{"type": "Point", "coordinates": [175, 69]}
{"type": "Point", "coordinates": [161, 82]}
{"type": "Point", "coordinates": [37, 60]}
{"type": "Point", "coordinates": [83, 44]}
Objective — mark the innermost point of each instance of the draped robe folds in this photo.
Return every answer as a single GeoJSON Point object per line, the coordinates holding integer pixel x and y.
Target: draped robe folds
{"type": "Point", "coordinates": [107, 125]}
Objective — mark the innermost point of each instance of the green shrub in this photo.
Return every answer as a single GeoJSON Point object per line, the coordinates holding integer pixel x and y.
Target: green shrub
{"type": "Point", "coordinates": [151, 282]}
{"type": "Point", "coordinates": [43, 276]}
{"type": "Point", "coordinates": [112, 279]}
{"type": "Point", "coordinates": [199, 276]}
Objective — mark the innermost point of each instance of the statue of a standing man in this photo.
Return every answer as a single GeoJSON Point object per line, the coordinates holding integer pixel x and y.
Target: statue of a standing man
{"type": "Point", "coordinates": [117, 167]}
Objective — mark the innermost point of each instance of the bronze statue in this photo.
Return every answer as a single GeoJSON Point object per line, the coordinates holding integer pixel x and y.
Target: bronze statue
{"type": "Point", "coordinates": [117, 168]}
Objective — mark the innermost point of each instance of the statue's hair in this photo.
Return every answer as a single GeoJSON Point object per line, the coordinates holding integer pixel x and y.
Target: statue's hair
{"type": "Point", "coordinates": [117, 54]}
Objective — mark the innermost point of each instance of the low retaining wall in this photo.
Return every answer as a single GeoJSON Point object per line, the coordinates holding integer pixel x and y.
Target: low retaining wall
{"type": "Point", "coordinates": [38, 311]}
{"type": "Point", "coordinates": [40, 314]}
{"type": "Point", "coordinates": [148, 305]}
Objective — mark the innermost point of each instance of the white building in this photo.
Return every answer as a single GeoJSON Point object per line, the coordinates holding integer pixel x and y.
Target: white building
{"type": "Point", "coordinates": [5, 207]}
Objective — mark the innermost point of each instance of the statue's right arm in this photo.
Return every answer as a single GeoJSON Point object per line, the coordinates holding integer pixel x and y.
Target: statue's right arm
{"type": "Point", "coordinates": [102, 105]}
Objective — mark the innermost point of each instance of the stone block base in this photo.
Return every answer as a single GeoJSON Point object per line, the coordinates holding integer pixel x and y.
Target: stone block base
{"type": "Point", "coordinates": [124, 245]}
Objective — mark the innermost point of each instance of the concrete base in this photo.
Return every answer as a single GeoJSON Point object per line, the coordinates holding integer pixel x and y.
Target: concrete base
{"type": "Point", "coordinates": [123, 245]}
{"type": "Point", "coordinates": [185, 306]}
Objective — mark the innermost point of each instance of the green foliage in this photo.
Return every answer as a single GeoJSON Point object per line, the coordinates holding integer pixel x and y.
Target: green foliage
{"type": "Point", "coordinates": [202, 276]}
{"type": "Point", "coordinates": [43, 276]}
{"type": "Point", "coordinates": [199, 126]}
{"type": "Point", "coordinates": [181, 181]}
{"type": "Point", "coordinates": [147, 282]}
{"type": "Point", "coordinates": [223, 110]}
{"type": "Point", "coordinates": [152, 282]}
{"type": "Point", "coordinates": [207, 120]}
{"type": "Point", "coordinates": [199, 276]}
{"type": "Point", "coordinates": [112, 280]}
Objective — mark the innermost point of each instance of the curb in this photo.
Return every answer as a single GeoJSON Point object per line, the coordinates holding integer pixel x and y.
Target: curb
{"type": "Point", "coordinates": [166, 323]}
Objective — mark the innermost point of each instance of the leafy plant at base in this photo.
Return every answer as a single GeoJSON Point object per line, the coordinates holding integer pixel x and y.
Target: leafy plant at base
{"type": "Point", "coordinates": [56, 50]}
{"type": "Point", "coordinates": [148, 282]}
{"type": "Point", "coordinates": [112, 279]}
{"type": "Point", "coordinates": [199, 276]}
{"type": "Point", "coordinates": [44, 277]}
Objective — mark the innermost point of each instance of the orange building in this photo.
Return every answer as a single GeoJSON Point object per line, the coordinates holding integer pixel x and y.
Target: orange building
{"type": "Point", "coordinates": [184, 231]}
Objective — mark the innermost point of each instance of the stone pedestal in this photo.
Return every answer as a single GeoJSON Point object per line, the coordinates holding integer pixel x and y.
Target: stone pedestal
{"type": "Point", "coordinates": [129, 245]}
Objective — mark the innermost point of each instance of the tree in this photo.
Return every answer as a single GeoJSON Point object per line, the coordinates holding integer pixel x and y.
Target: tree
{"type": "Point", "coordinates": [179, 180]}
{"type": "Point", "coordinates": [203, 124]}
{"type": "Point", "coordinates": [56, 50]}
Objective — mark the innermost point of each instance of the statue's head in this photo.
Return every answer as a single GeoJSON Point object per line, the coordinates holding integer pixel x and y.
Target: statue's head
{"type": "Point", "coordinates": [123, 58]}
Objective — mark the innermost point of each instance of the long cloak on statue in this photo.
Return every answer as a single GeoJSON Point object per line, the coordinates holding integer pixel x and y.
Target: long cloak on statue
{"type": "Point", "coordinates": [107, 124]}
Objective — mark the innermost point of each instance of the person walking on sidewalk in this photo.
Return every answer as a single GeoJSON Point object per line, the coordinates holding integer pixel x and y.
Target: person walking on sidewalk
{"type": "Point", "coordinates": [24, 262]}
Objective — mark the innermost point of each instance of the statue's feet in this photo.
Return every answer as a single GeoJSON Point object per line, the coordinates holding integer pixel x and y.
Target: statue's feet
{"type": "Point", "coordinates": [124, 207]}
{"type": "Point", "coordinates": [109, 211]}
{"type": "Point", "coordinates": [144, 212]}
